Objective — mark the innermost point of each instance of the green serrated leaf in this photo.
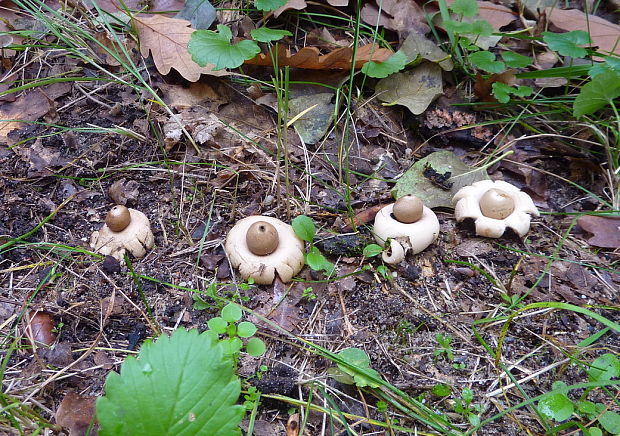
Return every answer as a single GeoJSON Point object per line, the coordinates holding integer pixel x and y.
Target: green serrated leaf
{"type": "Point", "coordinates": [391, 65]}
{"type": "Point", "coordinates": [209, 47]}
{"type": "Point", "coordinates": [246, 329]}
{"type": "Point", "coordinates": [610, 421]}
{"type": "Point", "coordinates": [269, 5]}
{"type": "Point", "coordinates": [232, 313]}
{"type": "Point", "coordinates": [187, 371]}
{"type": "Point", "coordinates": [485, 60]}
{"type": "Point", "coordinates": [304, 228]}
{"type": "Point", "coordinates": [596, 94]}
{"type": "Point", "coordinates": [265, 34]}
{"type": "Point", "coordinates": [556, 406]}
{"type": "Point", "coordinates": [255, 347]}
{"type": "Point", "coordinates": [460, 27]}
{"type": "Point", "coordinates": [568, 44]}
{"type": "Point", "coordinates": [218, 325]}
{"type": "Point", "coordinates": [468, 8]}
{"type": "Point", "coordinates": [372, 250]}
{"type": "Point", "coordinates": [604, 367]}
{"type": "Point", "coordinates": [481, 28]}
{"type": "Point", "coordinates": [516, 60]}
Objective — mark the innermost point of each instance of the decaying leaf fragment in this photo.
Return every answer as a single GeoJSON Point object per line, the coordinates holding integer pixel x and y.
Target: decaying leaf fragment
{"type": "Point", "coordinates": [605, 230]}
{"type": "Point", "coordinates": [310, 58]}
{"type": "Point", "coordinates": [417, 45]}
{"type": "Point", "coordinates": [402, 16]}
{"type": "Point", "coordinates": [436, 178]}
{"type": "Point", "coordinates": [166, 38]}
{"type": "Point", "coordinates": [415, 88]}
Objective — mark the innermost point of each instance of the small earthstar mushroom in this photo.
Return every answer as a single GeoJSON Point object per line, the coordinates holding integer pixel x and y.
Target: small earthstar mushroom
{"type": "Point", "coordinates": [260, 246]}
{"type": "Point", "coordinates": [124, 230]}
{"type": "Point", "coordinates": [408, 225]}
{"type": "Point", "coordinates": [494, 206]}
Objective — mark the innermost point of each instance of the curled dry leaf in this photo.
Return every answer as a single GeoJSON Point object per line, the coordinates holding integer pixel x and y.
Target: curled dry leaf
{"type": "Point", "coordinates": [122, 192]}
{"type": "Point", "coordinates": [402, 16]}
{"type": "Point", "coordinates": [76, 413]}
{"type": "Point", "coordinates": [604, 34]}
{"type": "Point", "coordinates": [166, 38]}
{"type": "Point", "coordinates": [297, 5]}
{"type": "Point", "coordinates": [310, 58]}
{"type": "Point", "coordinates": [605, 230]}
{"type": "Point", "coordinates": [29, 107]}
{"type": "Point", "coordinates": [39, 327]}
{"type": "Point", "coordinates": [415, 88]}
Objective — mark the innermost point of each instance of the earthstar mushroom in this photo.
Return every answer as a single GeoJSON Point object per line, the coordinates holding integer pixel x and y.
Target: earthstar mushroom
{"type": "Point", "coordinates": [408, 225]}
{"type": "Point", "coordinates": [494, 206]}
{"type": "Point", "coordinates": [259, 246]}
{"type": "Point", "coordinates": [124, 230]}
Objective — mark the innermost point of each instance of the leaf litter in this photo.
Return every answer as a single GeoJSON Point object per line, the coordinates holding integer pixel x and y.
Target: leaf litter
{"type": "Point", "coordinates": [229, 176]}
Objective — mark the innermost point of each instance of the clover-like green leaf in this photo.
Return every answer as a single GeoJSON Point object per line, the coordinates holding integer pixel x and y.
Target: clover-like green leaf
{"type": "Point", "coordinates": [556, 406]}
{"type": "Point", "coordinates": [391, 65]}
{"type": "Point", "coordinates": [209, 47]}
{"type": "Point", "coordinates": [604, 367]}
{"type": "Point", "coordinates": [265, 34]}
{"type": "Point", "coordinates": [485, 60]}
{"type": "Point", "coordinates": [372, 250]}
{"type": "Point", "coordinates": [516, 60]}
{"type": "Point", "coordinates": [481, 28]}
{"type": "Point", "coordinates": [610, 421]}
{"type": "Point", "coordinates": [269, 5]}
{"type": "Point", "coordinates": [362, 374]}
{"type": "Point", "coordinates": [182, 384]}
{"type": "Point", "coordinates": [502, 92]}
{"type": "Point", "coordinates": [318, 262]}
{"type": "Point", "coordinates": [568, 44]}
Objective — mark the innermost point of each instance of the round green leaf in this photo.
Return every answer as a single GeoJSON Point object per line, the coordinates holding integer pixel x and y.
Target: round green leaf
{"type": "Point", "coordinates": [304, 228]}
{"type": "Point", "coordinates": [255, 347]}
{"type": "Point", "coordinates": [372, 250]}
{"type": "Point", "coordinates": [556, 406]}
{"type": "Point", "coordinates": [218, 325]}
{"type": "Point", "coordinates": [231, 312]}
{"type": "Point", "coordinates": [209, 47]}
{"type": "Point", "coordinates": [246, 329]}
{"type": "Point", "coordinates": [265, 34]}
{"type": "Point", "coordinates": [231, 346]}
{"type": "Point", "coordinates": [610, 421]}
{"type": "Point", "coordinates": [441, 390]}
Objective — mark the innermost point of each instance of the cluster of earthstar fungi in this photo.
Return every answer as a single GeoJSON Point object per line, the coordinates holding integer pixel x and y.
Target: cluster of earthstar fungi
{"type": "Point", "coordinates": [261, 246]}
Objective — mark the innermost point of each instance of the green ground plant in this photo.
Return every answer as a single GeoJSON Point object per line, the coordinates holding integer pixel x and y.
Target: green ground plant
{"type": "Point", "coordinates": [306, 230]}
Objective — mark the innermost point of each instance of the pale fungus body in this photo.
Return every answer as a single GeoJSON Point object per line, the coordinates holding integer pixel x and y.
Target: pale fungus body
{"type": "Point", "coordinates": [405, 237]}
{"type": "Point", "coordinates": [494, 206]}
{"type": "Point", "coordinates": [133, 234]}
{"type": "Point", "coordinates": [254, 235]}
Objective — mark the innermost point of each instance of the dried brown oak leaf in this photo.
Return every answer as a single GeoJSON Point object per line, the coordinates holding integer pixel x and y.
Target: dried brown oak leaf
{"type": "Point", "coordinates": [605, 230]}
{"type": "Point", "coordinates": [310, 58]}
{"type": "Point", "coordinates": [166, 38]}
{"type": "Point", "coordinates": [604, 34]}
{"type": "Point", "coordinates": [76, 413]}
{"type": "Point", "coordinates": [402, 16]}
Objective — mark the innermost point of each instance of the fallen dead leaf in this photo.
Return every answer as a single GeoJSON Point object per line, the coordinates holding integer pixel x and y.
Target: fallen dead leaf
{"type": "Point", "coordinates": [197, 94]}
{"type": "Point", "coordinates": [296, 5]}
{"type": "Point", "coordinates": [310, 58]}
{"type": "Point", "coordinates": [605, 230]}
{"type": "Point", "coordinates": [417, 45]}
{"type": "Point", "coordinates": [497, 15]}
{"type": "Point", "coordinates": [122, 192]}
{"type": "Point", "coordinates": [166, 38]}
{"type": "Point", "coordinates": [484, 86]}
{"type": "Point", "coordinates": [76, 413]}
{"type": "Point", "coordinates": [604, 34]}
{"type": "Point", "coordinates": [415, 88]}
{"type": "Point", "coordinates": [14, 115]}
{"type": "Point", "coordinates": [402, 16]}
